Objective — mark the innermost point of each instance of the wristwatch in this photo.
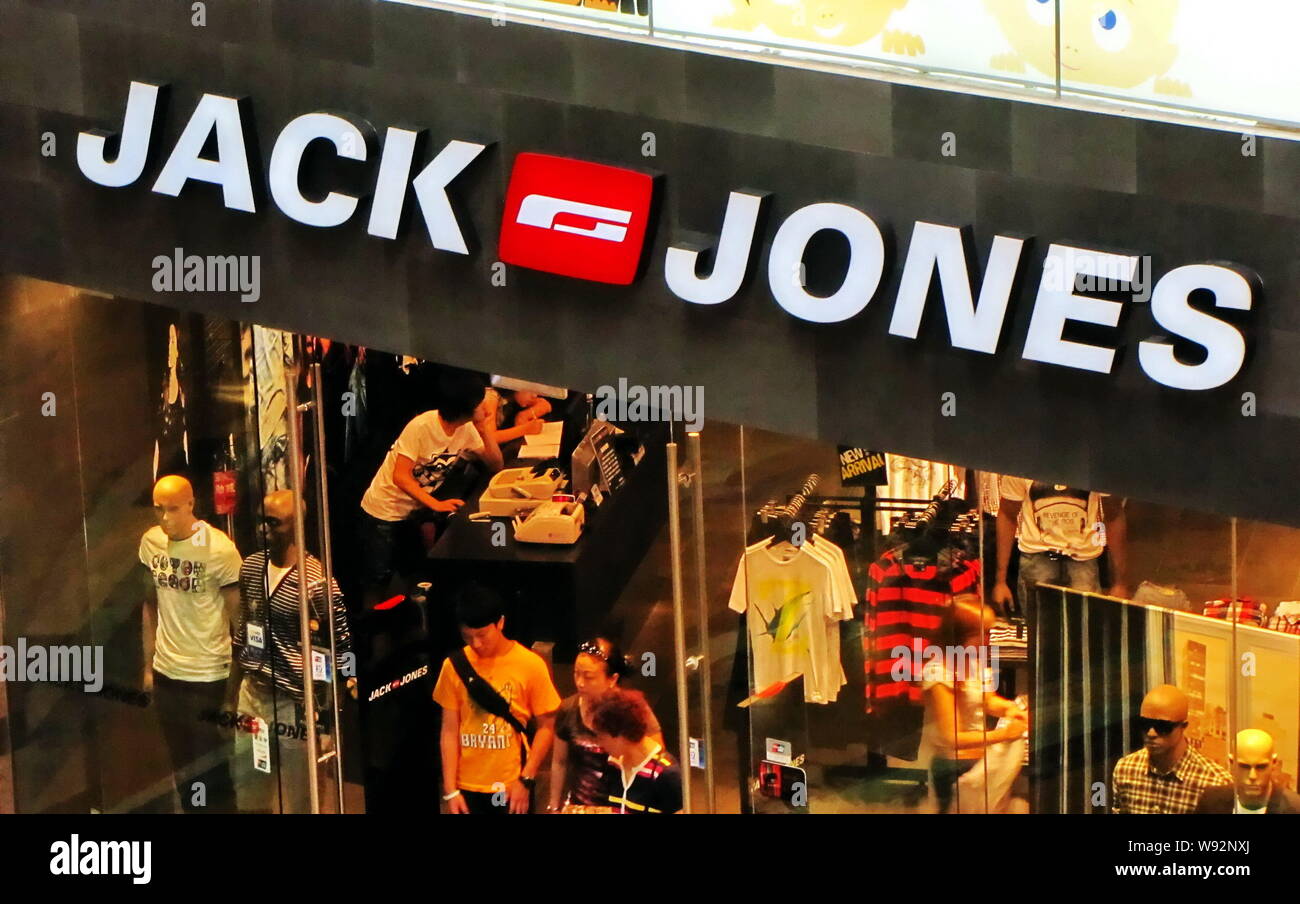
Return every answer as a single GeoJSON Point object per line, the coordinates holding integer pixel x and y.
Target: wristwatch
{"type": "Point", "coordinates": [528, 782]}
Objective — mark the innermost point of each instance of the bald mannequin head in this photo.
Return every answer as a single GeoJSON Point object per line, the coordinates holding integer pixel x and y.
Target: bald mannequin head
{"type": "Point", "coordinates": [279, 504]}
{"type": "Point", "coordinates": [1164, 720]}
{"type": "Point", "coordinates": [1165, 702]}
{"type": "Point", "coordinates": [277, 522]}
{"type": "Point", "coordinates": [173, 507]}
{"type": "Point", "coordinates": [1253, 767]}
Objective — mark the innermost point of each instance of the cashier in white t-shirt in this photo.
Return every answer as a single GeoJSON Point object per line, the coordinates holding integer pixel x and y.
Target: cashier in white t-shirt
{"type": "Point", "coordinates": [1061, 533]}
{"type": "Point", "coordinates": [414, 468]}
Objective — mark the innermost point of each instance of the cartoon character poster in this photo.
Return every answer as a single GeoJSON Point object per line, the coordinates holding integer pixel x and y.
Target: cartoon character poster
{"type": "Point", "coordinates": [861, 27]}
{"type": "Point", "coordinates": [1104, 43]}
{"type": "Point", "coordinates": [630, 7]}
{"type": "Point", "coordinates": [1198, 54]}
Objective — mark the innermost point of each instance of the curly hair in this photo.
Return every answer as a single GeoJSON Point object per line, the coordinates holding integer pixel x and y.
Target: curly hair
{"type": "Point", "coordinates": [622, 713]}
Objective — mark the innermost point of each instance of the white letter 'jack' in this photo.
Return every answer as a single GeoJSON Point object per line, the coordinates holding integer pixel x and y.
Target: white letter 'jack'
{"type": "Point", "coordinates": [431, 191]}
{"type": "Point", "coordinates": [335, 208]}
{"type": "Point", "coordinates": [137, 129]}
{"type": "Point", "coordinates": [229, 170]}
{"type": "Point", "coordinates": [430, 188]}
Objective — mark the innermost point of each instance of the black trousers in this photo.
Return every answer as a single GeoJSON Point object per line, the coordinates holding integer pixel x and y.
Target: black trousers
{"type": "Point", "coordinates": [944, 773]}
{"type": "Point", "coordinates": [198, 747]}
{"type": "Point", "coordinates": [391, 548]}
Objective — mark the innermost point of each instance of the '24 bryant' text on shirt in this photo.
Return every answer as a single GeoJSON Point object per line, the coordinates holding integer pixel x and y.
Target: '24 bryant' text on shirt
{"type": "Point", "coordinates": [489, 746]}
{"type": "Point", "coordinates": [433, 451]}
{"type": "Point", "coordinates": [280, 658]}
{"type": "Point", "coordinates": [193, 638]}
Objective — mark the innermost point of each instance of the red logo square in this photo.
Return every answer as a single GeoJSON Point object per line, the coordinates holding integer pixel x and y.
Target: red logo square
{"type": "Point", "coordinates": [576, 218]}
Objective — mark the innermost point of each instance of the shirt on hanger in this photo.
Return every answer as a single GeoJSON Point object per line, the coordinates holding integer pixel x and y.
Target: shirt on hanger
{"type": "Point", "coordinates": [916, 478]}
{"type": "Point", "coordinates": [844, 598]}
{"type": "Point", "coordinates": [906, 602]}
{"type": "Point", "coordinates": [792, 599]}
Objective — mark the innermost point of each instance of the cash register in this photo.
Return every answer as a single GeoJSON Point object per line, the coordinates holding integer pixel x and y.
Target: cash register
{"type": "Point", "coordinates": [517, 490]}
{"type": "Point", "coordinates": [535, 498]}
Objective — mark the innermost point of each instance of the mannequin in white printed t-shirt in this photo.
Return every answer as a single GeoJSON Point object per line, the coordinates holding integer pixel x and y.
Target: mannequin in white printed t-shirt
{"type": "Point", "coordinates": [1061, 533]}
{"type": "Point", "coordinates": [191, 605]}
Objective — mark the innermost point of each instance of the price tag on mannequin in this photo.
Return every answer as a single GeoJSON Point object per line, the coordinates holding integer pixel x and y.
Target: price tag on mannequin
{"type": "Point", "coordinates": [261, 746]}
{"type": "Point", "coordinates": [256, 643]}
{"type": "Point", "coordinates": [320, 664]}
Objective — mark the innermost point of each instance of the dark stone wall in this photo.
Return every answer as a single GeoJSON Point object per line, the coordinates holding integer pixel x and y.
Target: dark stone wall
{"type": "Point", "coordinates": [1180, 194]}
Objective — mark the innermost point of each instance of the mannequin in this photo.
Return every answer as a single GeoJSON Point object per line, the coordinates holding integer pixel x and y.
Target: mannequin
{"type": "Point", "coordinates": [1255, 789]}
{"type": "Point", "coordinates": [268, 663]}
{"type": "Point", "coordinates": [1166, 776]}
{"type": "Point", "coordinates": [192, 599]}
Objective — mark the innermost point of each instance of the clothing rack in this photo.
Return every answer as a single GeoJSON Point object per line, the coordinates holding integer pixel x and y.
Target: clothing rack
{"type": "Point", "coordinates": [771, 510]}
{"type": "Point", "coordinates": [936, 503]}
{"type": "Point", "coordinates": [772, 519]}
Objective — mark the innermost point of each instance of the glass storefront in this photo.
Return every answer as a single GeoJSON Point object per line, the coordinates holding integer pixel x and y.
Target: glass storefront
{"type": "Point", "coordinates": [815, 628]}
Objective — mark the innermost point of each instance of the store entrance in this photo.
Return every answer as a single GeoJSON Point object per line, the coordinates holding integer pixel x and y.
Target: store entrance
{"type": "Point", "coordinates": [443, 483]}
{"type": "Point", "coordinates": [158, 558]}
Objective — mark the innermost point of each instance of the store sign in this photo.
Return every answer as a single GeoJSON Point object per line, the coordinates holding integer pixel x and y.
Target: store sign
{"type": "Point", "coordinates": [862, 467]}
{"type": "Point", "coordinates": [591, 221]}
{"type": "Point", "coordinates": [574, 218]}
{"type": "Point", "coordinates": [228, 121]}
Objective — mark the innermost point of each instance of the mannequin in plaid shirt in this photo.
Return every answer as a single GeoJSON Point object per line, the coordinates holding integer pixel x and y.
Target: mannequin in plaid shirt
{"type": "Point", "coordinates": [1166, 775]}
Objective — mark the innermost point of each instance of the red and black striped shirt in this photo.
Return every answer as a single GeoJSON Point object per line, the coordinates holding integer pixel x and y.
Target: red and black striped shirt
{"type": "Point", "coordinates": [906, 602]}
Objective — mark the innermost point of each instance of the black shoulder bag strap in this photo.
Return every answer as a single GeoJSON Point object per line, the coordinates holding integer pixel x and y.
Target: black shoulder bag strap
{"type": "Point", "coordinates": [487, 697]}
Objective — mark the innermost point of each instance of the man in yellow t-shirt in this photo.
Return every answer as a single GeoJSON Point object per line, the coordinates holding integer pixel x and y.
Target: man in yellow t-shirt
{"type": "Point", "coordinates": [482, 752]}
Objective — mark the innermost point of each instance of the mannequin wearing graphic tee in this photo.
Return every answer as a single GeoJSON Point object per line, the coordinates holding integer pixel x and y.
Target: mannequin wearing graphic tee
{"type": "Point", "coordinates": [1255, 790]}
{"type": "Point", "coordinates": [193, 601]}
{"type": "Point", "coordinates": [269, 660]}
{"type": "Point", "coordinates": [1060, 534]}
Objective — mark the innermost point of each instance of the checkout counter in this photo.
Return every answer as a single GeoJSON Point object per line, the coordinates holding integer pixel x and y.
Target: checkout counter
{"type": "Point", "coordinates": [556, 591]}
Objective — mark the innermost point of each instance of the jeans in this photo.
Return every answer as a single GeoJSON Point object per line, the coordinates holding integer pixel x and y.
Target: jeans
{"type": "Point", "coordinates": [480, 803]}
{"type": "Point", "coordinates": [285, 788]}
{"type": "Point", "coordinates": [199, 748]}
{"type": "Point", "coordinates": [1043, 568]}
